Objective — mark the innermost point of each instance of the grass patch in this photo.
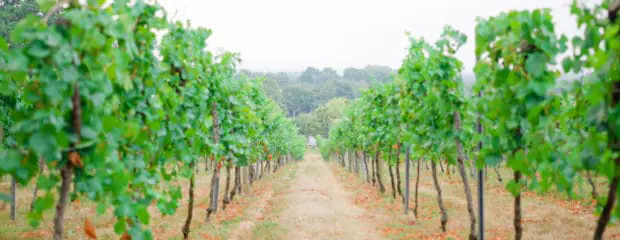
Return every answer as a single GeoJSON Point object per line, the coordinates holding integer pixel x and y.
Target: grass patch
{"type": "Point", "coordinates": [268, 230]}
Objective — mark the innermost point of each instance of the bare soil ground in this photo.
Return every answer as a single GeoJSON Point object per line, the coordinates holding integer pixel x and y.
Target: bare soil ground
{"type": "Point", "coordinates": [319, 207]}
{"type": "Point", "coordinates": [314, 199]}
{"type": "Point", "coordinates": [548, 216]}
{"type": "Point", "coordinates": [225, 224]}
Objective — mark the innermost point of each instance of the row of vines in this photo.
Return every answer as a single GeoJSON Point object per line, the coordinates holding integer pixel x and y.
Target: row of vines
{"type": "Point", "coordinates": [552, 135]}
{"type": "Point", "coordinates": [116, 104]}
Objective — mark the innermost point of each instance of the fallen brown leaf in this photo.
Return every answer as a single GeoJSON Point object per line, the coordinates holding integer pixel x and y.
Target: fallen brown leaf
{"type": "Point", "coordinates": [89, 229]}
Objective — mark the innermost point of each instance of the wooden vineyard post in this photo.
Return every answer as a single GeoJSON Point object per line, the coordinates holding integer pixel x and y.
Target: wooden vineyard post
{"type": "Point", "coordinates": [480, 183]}
{"type": "Point", "coordinates": [407, 170]}
{"type": "Point", "coordinates": [13, 198]}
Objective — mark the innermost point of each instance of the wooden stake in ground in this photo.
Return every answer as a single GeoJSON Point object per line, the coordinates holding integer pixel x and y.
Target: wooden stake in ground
{"type": "Point", "coordinates": [353, 163]}
{"type": "Point", "coordinates": [190, 207]}
{"type": "Point", "coordinates": [365, 162]}
{"type": "Point", "coordinates": [350, 157]}
{"type": "Point", "coordinates": [66, 172]}
{"type": "Point", "coordinates": [463, 173]}
{"type": "Point", "coordinates": [276, 164]}
{"type": "Point", "coordinates": [250, 177]}
{"type": "Point", "coordinates": [517, 203]}
{"type": "Point", "coordinates": [226, 199]}
{"type": "Point", "coordinates": [591, 182]}
{"type": "Point", "coordinates": [374, 172]}
{"type": "Point", "coordinates": [378, 172]}
{"type": "Point", "coordinates": [417, 181]}
{"type": "Point", "coordinates": [444, 214]}
{"type": "Point", "coordinates": [259, 169]}
{"type": "Point", "coordinates": [398, 185]}
{"type": "Point", "coordinates": [356, 163]}
{"type": "Point", "coordinates": [407, 170]}
{"type": "Point", "coordinates": [517, 209]}
{"type": "Point", "coordinates": [237, 186]}
{"type": "Point", "coordinates": [215, 180]}
{"type": "Point", "coordinates": [391, 174]}
{"type": "Point", "coordinates": [13, 197]}
{"type": "Point", "coordinates": [268, 167]}
{"type": "Point", "coordinates": [392, 180]}
{"type": "Point", "coordinates": [238, 174]}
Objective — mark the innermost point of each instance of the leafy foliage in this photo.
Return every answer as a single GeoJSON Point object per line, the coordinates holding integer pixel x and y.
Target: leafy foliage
{"type": "Point", "coordinates": [552, 137]}
{"type": "Point", "coordinates": [130, 113]}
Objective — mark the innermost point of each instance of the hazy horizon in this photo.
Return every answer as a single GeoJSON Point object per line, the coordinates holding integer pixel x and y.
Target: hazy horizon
{"type": "Point", "coordinates": [287, 36]}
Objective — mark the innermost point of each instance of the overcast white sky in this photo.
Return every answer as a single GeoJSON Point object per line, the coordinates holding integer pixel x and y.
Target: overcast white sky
{"type": "Point", "coordinates": [289, 35]}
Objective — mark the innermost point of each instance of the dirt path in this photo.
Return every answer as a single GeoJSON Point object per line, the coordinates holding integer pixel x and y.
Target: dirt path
{"type": "Point", "coordinates": [317, 206]}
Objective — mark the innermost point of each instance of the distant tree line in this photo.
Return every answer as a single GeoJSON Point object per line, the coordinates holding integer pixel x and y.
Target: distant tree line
{"type": "Point", "coordinates": [318, 122]}
{"type": "Point", "coordinates": [299, 93]}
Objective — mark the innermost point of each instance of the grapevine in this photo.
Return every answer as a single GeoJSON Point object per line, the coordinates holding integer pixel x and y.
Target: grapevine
{"type": "Point", "coordinates": [121, 115]}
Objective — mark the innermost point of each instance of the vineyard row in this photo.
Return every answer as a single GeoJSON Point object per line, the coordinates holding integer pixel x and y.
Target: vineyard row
{"type": "Point", "coordinates": [114, 103]}
{"type": "Point", "coordinates": [550, 134]}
